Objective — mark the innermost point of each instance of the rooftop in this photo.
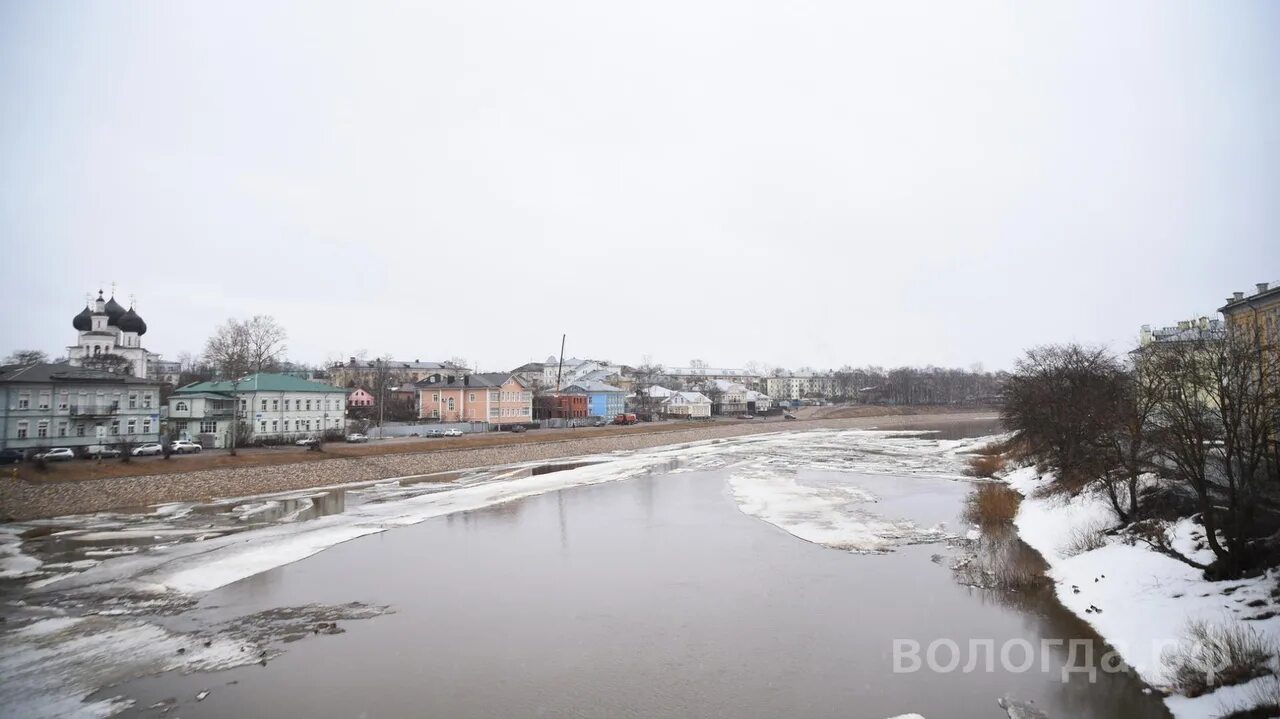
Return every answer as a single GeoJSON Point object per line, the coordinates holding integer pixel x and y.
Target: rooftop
{"type": "Point", "coordinates": [482, 379]}
{"type": "Point", "coordinates": [47, 372]}
{"type": "Point", "coordinates": [261, 382]}
{"type": "Point", "coordinates": [1265, 292]}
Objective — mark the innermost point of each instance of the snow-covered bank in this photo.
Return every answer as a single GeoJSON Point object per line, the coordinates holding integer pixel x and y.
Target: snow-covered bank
{"type": "Point", "coordinates": [1137, 599]}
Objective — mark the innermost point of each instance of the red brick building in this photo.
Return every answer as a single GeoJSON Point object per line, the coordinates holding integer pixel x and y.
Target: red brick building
{"type": "Point", "coordinates": [560, 406]}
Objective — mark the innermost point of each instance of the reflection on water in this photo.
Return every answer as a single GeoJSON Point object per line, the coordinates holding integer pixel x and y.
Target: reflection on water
{"type": "Point", "coordinates": [651, 597]}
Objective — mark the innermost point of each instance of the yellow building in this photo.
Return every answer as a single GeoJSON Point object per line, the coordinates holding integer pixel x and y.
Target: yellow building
{"type": "Point", "coordinates": [1259, 312]}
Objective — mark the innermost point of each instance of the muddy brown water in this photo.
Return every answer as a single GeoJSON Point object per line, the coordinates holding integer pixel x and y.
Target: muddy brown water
{"type": "Point", "coordinates": [652, 597]}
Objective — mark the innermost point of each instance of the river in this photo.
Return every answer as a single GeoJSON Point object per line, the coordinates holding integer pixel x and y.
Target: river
{"type": "Point", "coordinates": [655, 596]}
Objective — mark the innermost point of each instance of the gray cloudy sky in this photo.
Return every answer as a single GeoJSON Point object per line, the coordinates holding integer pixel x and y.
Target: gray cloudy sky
{"type": "Point", "coordinates": [796, 183]}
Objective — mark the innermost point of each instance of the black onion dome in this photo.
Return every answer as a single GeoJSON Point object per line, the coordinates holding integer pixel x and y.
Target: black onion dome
{"type": "Point", "coordinates": [84, 320]}
{"type": "Point", "coordinates": [131, 322]}
{"type": "Point", "coordinates": [114, 311]}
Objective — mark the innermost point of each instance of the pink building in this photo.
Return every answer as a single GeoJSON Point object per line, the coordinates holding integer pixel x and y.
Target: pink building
{"type": "Point", "coordinates": [496, 398]}
{"type": "Point", "coordinates": [359, 398]}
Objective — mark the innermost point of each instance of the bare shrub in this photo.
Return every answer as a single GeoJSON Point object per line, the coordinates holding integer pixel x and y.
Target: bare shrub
{"type": "Point", "coordinates": [1217, 655]}
{"type": "Point", "coordinates": [1085, 538]}
{"type": "Point", "coordinates": [990, 505]}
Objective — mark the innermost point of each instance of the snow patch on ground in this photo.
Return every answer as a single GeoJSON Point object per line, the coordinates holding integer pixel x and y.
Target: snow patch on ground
{"type": "Point", "coordinates": [1146, 598]}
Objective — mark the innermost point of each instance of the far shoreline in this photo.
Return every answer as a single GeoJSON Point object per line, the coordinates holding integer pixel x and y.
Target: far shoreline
{"type": "Point", "coordinates": [22, 500]}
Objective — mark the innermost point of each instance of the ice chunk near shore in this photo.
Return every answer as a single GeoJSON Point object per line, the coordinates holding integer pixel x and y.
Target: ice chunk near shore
{"type": "Point", "coordinates": [833, 516]}
{"type": "Point", "coordinates": [13, 563]}
{"type": "Point", "coordinates": [51, 665]}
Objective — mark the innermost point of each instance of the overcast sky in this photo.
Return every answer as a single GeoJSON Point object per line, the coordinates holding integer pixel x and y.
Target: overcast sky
{"type": "Point", "coordinates": [796, 183]}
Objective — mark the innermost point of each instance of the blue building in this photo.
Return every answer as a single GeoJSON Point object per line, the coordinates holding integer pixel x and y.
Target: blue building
{"type": "Point", "coordinates": [603, 400]}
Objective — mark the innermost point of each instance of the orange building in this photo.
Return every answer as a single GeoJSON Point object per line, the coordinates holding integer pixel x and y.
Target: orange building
{"type": "Point", "coordinates": [496, 398]}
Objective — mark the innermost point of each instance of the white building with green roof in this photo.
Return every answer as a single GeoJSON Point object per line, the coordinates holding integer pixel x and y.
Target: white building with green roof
{"type": "Point", "coordinates": [269, 406]}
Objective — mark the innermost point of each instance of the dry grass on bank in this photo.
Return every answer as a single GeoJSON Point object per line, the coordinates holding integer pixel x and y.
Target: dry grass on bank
{"type": "Point", "coordinates": [1217, 655]}
{"type": "Point", "coordinates": [992, 505]}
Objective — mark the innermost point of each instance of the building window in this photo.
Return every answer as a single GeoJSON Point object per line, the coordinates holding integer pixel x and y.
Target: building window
{"type": "Point", "coordinates": [264, 405]}
{"type": "Point", "coordinates": [180, 407]}
{"type": "Point", "coordinates": [244, 405]}
{"type": "Point", "coordinates": [133, 400]}
{"type": "Point", "coordinates": [62, 429]}
{"type": "Point", "coordinates": [435, 396]}
{"type": "Point", "coordinates": [493, 411]}
{"type": "Point", "coordinates": [62, 401]}
{"type": "Point", "coordinates": [208, 427]}
{"type": "Point", "coordinates": [44, 400]}
{"type": "Point", "coordinates": [450, 404]}
{"type": "Point", "coordinates": [132, 426]}
{"type": "Point", "coordinates": [264, 426]}
{"type": "Point", "coordinates": [24, 400]}
{"type": "Point", "coordinates": [115, 427]}
{"type": "Point", "coordinates": [146, 426]}
{"type": "Point", "coordinates": [42, 429]}
{"type": "Point", "coordinates": [471, 396]}
{"type": "Point", "coordinates": [22, 430]}
{"type": "Point", "coordinates": [146, 400]}
{"type": "Point", "coordinates": [79, 430]}
{"type": "Point", "coordinates": [275, 425]}
{"type": "Point", "coordinates": [308, 405]}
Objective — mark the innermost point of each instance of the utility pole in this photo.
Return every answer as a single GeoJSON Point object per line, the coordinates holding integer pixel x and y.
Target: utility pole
{"type": "Point", "coordinates": [382, 389]}
{"type": "Point", "coordinates": [560, 366]}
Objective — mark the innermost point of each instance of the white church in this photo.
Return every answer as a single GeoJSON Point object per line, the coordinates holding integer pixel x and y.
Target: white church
{"type": "Point", "coordinates": [106, 330]}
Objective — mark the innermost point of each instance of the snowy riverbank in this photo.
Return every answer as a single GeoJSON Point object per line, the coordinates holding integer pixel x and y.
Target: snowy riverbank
{"type": "Point", "coordinates": [1138, 600]}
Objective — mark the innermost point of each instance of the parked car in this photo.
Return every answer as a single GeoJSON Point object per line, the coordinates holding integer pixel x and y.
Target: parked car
{"type": "Point", "coordinates": [307, 441]}
{"type": "Point", "coordinates": [600, 422]}
{"type": "Point", "coordinates": [517, 428]}
{"type": "Point", "coordinates": [184, 446]}
{"type": "Point", "coordinates": [433, 433]}
{"type": "Point", "coordinates": [57, 454]}
{"type": "Point", "coordinates": [746, 416]}
{"type": "Point", "coordinates": [10, 456]}
{"type": "Point", "coordinates": [355, 437]}
{"type": "Point", "coordinates": [147, 450]}
{"type": "Point", "coordinates": [97, 451]}
{"type": "Point", "coordinates": [625, 419]}
{"type": "Point", "coordinates": [453, 432]}
{"type": "Point", "coordinates": [788, 415]}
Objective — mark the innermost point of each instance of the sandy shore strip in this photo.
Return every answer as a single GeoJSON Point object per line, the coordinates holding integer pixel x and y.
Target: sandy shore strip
{"type": "Point", "coordinates": [21, 500]}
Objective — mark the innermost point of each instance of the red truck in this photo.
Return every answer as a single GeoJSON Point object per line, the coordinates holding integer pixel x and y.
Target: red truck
{"type": "Point", "coordinates": [625, 419]}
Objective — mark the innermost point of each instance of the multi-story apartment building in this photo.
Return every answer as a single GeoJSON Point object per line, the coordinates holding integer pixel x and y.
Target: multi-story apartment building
{"type": "Point", "coordinates": [800, 386]}
{"type": "Point", "coordinates": [693, 376]}
{"type": "Point", "coordinates": [363, 373]}
{"type": "Point", "coordinates": [60, 405]}
{"type": "Point", "coordinates": [274, 406]}
{"type": "Point", "coordinates": [493, 397]}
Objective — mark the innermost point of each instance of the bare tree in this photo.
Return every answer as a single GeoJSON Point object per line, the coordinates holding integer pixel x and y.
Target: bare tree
{"type": "Point", "coordinates": [1060, 403]}
{"type": "Point", "coordinates": [26, 357]}
{"type": "Point", "coordinates": [266, 342]}
{"type": "Point", "coordinates": [697, 364]}
{"type": "Point", "coordinates": [1214, 427]}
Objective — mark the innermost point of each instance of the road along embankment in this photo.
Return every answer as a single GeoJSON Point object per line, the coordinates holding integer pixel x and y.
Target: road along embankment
{"type": "Point", "coordinates": [20, 499]}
